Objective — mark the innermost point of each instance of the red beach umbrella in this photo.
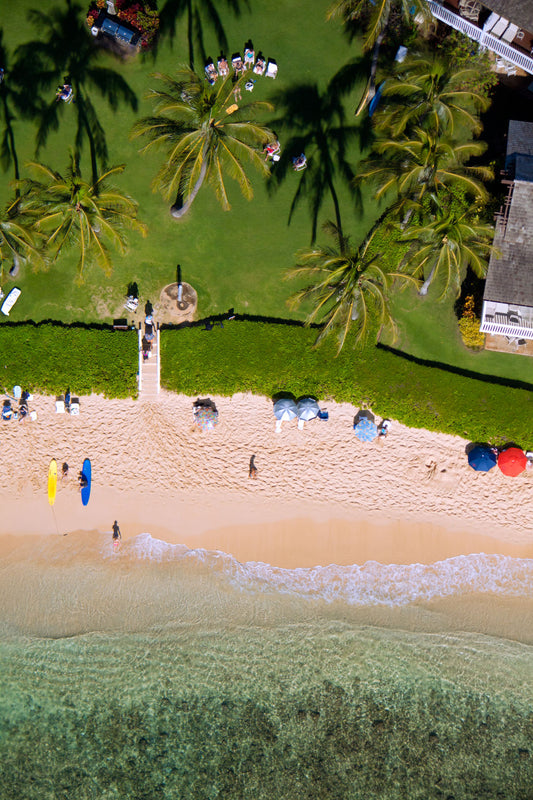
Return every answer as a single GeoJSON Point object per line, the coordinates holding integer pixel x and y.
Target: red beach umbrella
{"type": "Point", "coordinates": [512, 461]}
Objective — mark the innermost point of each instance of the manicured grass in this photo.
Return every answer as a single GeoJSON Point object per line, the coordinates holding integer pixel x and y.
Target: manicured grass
{"type": "Point", "coordinates": [234, 259]}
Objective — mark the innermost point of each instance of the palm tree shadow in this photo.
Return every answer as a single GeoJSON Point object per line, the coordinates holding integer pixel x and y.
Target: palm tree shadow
{"type": "Point", "coordinates": [65, 52]}
{"type": "Point", "coordinates": [315, 123]}
{"type": "Point", "coordinates": [198, 17]}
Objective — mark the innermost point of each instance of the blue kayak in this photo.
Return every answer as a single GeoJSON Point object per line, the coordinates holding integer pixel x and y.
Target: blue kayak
{"type": "Point", "coordinates": [86, 490]}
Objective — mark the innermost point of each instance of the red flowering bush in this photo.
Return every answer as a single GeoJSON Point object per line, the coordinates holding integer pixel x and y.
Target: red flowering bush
{"type": "Point", "coordinates": [138, 15]}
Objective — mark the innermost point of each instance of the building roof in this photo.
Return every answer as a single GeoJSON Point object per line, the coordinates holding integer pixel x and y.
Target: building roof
{"type": "Point", "coordinates": [518, 11]}
{"type": "Point", "coordinates": [519, 155]}
{"type": "Point", "coordinates": [510, 273]}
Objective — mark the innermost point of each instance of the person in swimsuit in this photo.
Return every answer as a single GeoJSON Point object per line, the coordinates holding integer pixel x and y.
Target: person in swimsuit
{"type": "Point", "coordinates": [116, 535]}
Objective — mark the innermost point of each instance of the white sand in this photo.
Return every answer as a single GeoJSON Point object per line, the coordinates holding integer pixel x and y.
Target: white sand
{"type": "Point", "coordinates": [321, 495]}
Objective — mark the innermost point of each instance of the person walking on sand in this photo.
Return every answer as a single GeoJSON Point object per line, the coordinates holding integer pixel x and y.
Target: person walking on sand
{"type": "Point", "coordinates": [116, 535]}
{"type": "Point", "coordinates": [252, 472]}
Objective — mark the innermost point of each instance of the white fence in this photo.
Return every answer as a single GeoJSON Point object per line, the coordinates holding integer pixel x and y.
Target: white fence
{"type": "Point", "coordinates": [486, 40]}
{"type": "Point", "coordinates": [140, 374]}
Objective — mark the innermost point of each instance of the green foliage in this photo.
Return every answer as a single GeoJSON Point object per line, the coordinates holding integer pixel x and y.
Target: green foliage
{"type": "Point", "coordinates": [462, 52]}
{"type": "Point", "coordinates": [49, 358]}
{"type": "Point", "coordinates": [266, 358]}
{"type": "Point", "coordinates": [469, 326]}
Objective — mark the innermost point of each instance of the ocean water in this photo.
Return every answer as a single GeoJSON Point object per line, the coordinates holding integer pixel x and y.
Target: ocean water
{"type": "Point", "coordinates": [164, 672]}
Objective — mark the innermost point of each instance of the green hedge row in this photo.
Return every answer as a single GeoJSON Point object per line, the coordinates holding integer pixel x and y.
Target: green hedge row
{"type": "Point", "coordinates": [267, 358]}
{"type": "Point", "coordinates": [50, 358]}
{"type": "Point", "coordinates": [270, 358]}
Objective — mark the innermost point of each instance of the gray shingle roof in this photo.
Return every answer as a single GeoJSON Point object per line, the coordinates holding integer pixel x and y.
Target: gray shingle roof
{"type": "Point", "coordinates": [510, 273]}
{"type": "Point", "coordinates": [518, 11]}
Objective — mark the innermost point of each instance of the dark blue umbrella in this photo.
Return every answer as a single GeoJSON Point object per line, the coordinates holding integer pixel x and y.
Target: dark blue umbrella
{"type": "Point", "coordinates": [482, 458]}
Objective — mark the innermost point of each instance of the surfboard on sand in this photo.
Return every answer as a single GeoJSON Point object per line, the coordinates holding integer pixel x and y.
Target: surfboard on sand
{"type": "Point", "coordinates": [86, 490]}
{"type": "Point", "coordinates": [52, 481]}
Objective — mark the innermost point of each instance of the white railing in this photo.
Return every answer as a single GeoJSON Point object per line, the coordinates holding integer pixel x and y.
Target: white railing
{"type": "Point", "coordinates": [486, 40]}
{"type": "Point", "coordinates": [514, 331]}
{"type": "Point", "coordinates": [158, 360]}
{"type": "Point", "coordinates": [140, 359]}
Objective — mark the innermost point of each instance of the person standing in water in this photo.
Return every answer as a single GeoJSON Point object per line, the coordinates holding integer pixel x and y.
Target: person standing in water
{"type": "Point", "coordinates": [116, 535]}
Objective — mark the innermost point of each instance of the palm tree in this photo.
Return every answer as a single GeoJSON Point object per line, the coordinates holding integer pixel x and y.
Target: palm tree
{"type": "Point", "coordinates": [71, 212]}
{"type": "Point", "coordinates": [18, 241]}
{"type": "Point", "coordinates": [65, 52]}
{"type": "Point", "coordinates": [446, 245]}
{"type": "Point", "coordinates": [348, 287]}
{"type": "Point", "coordinates": [206, 135]}
{"type": "Point", "coordinates": [198, 15]}
{"type": "Point", "coordinates": [427, 92]}
{"type": "Point", "coordinates": [375, 15]}
{"type": "Point", "coordinates": [425, 164]}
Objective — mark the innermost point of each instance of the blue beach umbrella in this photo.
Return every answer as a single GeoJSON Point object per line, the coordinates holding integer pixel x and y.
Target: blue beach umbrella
{"type": "Point", "coordinates": [285, 409]}
{"type": "Point", "coordinates": [365, 429]}
{"type": "Point", "coordinates": [307, 409]}
{"type": "Point", "coordinates": [481, 458]}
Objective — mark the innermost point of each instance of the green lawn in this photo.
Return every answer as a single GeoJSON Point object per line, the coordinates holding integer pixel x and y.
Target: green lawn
{"type": "Point", "coordinates": [234, 258]}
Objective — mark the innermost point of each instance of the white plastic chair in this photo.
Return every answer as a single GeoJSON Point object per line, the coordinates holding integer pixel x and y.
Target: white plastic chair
{"type": "Point", "coordinates": [301, 424]}
{"type": "Point", "coordinates": [60, 406]}
{"type": "Point", "coordinates": [33, 416]}
{"type": "Point", "coordinates": [272, 69]}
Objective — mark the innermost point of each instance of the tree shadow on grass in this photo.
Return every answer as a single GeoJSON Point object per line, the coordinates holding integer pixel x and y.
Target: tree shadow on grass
{"type": "Point", "coordinates": [199, 16]}
{"type": "Point", "coordinates": [65, 53]}
{"type": "Point", "coordinates": [314, 123]}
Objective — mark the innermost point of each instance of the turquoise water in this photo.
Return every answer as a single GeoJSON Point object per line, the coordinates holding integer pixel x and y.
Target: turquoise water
{"type": "Point", "coordinates": [161, 672]}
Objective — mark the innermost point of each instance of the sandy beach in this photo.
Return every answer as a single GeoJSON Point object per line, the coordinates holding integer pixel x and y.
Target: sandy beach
{"type": "Point", "coordinates": [321, 496]}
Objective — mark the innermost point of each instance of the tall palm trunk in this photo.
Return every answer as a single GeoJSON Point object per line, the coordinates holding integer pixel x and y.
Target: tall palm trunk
{"type": "Point", "coordinates": [425, 286]}
{"type": "Point", "coordinates": [178, 211]}
{"type": "Point", "coordinates": [190, 34]}
{"type": "Point", "coordinates": [371, 85]}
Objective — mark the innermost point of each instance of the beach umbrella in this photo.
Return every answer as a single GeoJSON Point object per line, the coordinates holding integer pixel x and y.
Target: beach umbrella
{"type": "Point", "coordinates": [512, 461]}
{"type": "Point", "coordinates": [307, 409]}
{"type": "Point", "coordinates": [205, 417]}
{"type": "Point", "coordinates": [285, 409]}
{"type": "Point", "coordinates": [366, 429]}
{"type": "Point", "coordinates": [482, 458]}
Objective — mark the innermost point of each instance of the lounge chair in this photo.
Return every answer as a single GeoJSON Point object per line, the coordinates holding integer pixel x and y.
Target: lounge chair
{"type": "Point", "coordinates": [75, 407]}
{"type": "Point", "coordinates": [271, 69]}
{"type": "Point", "coordinates": [60, 406]}
{"type": "Point", "coordinates": [131, 303]}
{"type": "Point", "coordinates": [260, 66]}
{"type": "Point", "coordinates": [299, 163]}
{"type": "Point", "coordinates": [249, 58]}
{"type": "Point", "coordinates": [223, 68]}
{"type": "Point", "coordinates": [10, 301]}
{"type": "Point", "coordinates": [237, 64]}
{"type": "Point", "coordinates": [210, 72]}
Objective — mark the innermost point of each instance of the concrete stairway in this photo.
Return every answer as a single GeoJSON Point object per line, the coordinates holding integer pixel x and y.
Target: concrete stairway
{"type": "Point", "coordinates": [149, 372]}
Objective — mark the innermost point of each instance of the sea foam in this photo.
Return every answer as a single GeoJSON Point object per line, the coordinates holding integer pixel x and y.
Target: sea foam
{"type": "Point", "coordinates": [369, 584]}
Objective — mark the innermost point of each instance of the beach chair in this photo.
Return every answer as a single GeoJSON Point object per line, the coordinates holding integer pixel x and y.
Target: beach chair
{"type": "Point", "coordinates": [301, 424]}
{"type": "Point", "coordinates": [249, 58]}
{"type": "Point", "coordinates": [131, 303]}
{"type": "Point", "coordinates": [60, 406]}
{"type": "Point", "coordinates": [33, 416]}
{"type": "Point", "coordinates": [260, 66]}
{"type": "Point", "coordinates": [210, 72]}
{"type": "Point", "coordinates": [278, 426]}
{"type": "Point", "coordinates": [237, 64]}
{"type": "Point", "coordinates": [222, 66]}
{"type": "Point", "coordinates": [75, 407]}
{"type": "Point", "coordinates": [10, 301]}
{"type": "Point", "coordinates": [271, 68]}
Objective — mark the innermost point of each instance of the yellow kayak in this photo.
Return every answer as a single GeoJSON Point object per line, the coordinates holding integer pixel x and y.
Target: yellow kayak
{"type": "Point", "coordinates": [52, 481]}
